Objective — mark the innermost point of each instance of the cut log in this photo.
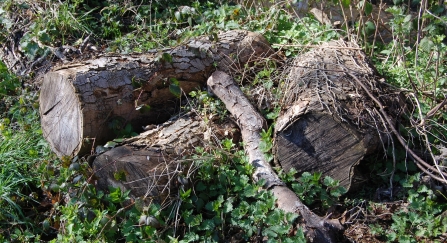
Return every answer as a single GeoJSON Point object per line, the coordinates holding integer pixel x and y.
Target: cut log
{"type": "Point", "coordinates": [251, 123]}
{"type": "Point", "coordinates": [149, 164]}
{"type": "Point", "coordinates": [328, 122]}
{"type": "Point", "coordinates": [78, 101]}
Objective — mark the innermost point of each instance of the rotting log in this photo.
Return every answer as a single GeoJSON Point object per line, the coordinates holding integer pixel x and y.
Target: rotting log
{"type": "Point", "coordinates": [328, 122]}
{"type": "Point", "coordinates": [251, 123]}
{"type": "Point", "coordinates": [149, 164]}
{"type": "Point", "coordinates": [79, 100]}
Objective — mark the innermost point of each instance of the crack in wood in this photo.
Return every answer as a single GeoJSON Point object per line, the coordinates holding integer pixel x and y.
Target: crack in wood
{"type": "Point", "coordinates": [49, 110]}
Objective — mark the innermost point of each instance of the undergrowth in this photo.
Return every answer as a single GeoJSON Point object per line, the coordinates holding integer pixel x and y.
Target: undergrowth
{"type": "Point", "coordinates": [50, 199]}
{"type": "Point", "coordinates": [23, 155]}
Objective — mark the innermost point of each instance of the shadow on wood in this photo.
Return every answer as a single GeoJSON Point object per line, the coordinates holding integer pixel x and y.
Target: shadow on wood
{"type": "Point", "coordinates": [328, 122]}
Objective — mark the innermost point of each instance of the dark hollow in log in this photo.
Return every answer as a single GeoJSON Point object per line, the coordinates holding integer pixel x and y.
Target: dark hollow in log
{"type": "Point", "coordinates": [328, 122]}
{"type": "Point", "coordinates": [78, 101]}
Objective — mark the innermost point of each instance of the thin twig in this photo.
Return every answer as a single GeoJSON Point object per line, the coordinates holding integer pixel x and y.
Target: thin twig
{"type": "Point", "coordinates": [317, 46]}
{"type": "Point", "coordinates": [419, 162]}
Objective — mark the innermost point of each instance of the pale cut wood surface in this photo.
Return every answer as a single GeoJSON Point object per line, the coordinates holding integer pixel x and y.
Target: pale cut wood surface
{"type": "Point", "coordinates": [79, 100]}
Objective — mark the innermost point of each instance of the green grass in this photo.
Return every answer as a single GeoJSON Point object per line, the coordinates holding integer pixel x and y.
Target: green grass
{"type": "Point", "coordinates": [224, 197]}
{"type": "Point", "coordinates": [23, 152]}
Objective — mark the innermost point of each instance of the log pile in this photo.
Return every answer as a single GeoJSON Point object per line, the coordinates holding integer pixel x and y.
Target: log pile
{"type": "Point", "coordinates": [79, 101]}
{"type": "Point", "coordinates": [328, 121]}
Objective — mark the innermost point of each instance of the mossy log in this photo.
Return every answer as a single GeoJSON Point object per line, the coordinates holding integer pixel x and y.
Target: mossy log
{"type": "Point", "coordinates": [78, 101]}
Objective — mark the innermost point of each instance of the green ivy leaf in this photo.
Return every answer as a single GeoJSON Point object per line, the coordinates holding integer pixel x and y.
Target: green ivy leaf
{"type": "Point", "coordinates": [120, 175]}
{"type": "Point", "coordinates": [328, 181]}
{"type": "Point", "coordinates": [346, 3]}
{"type": "Point", "coordinates": [166, 57]}
{"type": "Point", "coordinates": [370, 28]}
{"type": "Point", "coordinates": [265, 146]}
{"type": "Point", "coordinates": [128, 128]}
{"type": "Point", "coordinates": [228, 144]}
{"type": "Point", "coordinates": [228, 205]}
{"type": "Point", "coordinates": [200, 186]}
{"type": "Point", "coordinates": [426, 44]}
{"type": "Point", "coordinates": [174, 87]}
{"type": "Point", "coordinates": [408, 18]}
{"type": "Point", "coordinates": [250, 191]}
{"type": "Point", "coordinates": [115, 194]}
{"type": "Point", "coordinates": [337, 192]}
{"type": "Point", "coordinates": [110, 144]}
{"type": "Point", "coordinates": [185, 194]}
{"type": "Point", "coordinates": [43, 36]}
{"type": "Point", "coordinates": [291, 217]}
{"type": "Point", "coordinates": [368, 8]}
{"type": "Point", "coordinates": [150, 230]}
{"type": "Point", "coordinates": [192, 220]}
{"type": "Point", "coordinates": [31, 48]}
{"type": "Point", "coordinates": [280, 229]}
{"type": "Point", "coordinates": [190, 237]}
{"type": "Point", "coordinates": [230, 25]}
{"type": "Point", "coordinates": [118, 140]}
{"type": "Point", "coordinates": [306, 177]}
{"type": "Point", "coordinates": [269, 233]}
{"type": "Point", "coordinates": [207, 224]}
{"type": "Point", "coordinates": [274, 218]}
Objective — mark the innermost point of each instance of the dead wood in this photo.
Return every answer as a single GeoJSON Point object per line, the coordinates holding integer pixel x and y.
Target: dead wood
{"type": "Point", "coordinates": [79, 101]}
{"type": "Point", "coordinates": [153, 164]}
{"type": "Point", "coordinates": [251, 124]}
{"type": "Point", "coordinates": [329, 122]}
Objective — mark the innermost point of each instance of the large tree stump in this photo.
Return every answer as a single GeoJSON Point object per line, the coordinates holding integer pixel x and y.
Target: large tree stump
{"type": "Point", "coordinates": [78, 100]}
{"type": "Point", "coordinates": [329, 123]}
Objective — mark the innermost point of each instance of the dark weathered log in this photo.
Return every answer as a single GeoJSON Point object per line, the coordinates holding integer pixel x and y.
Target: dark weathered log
{"type": "Point", "coordinates": [78, 100]}
{"type": "Point", "coordinates": [329, 123]}
{"type": "Point", "coordinates": [251, 124]}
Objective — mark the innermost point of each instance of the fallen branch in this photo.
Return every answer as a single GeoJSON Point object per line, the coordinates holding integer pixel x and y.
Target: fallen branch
{"type": "Point", "coordinates": [251, 124]}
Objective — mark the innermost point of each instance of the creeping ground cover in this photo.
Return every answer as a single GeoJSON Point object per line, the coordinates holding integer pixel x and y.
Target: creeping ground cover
{"type": "Point", "coordinates": [44, 198]}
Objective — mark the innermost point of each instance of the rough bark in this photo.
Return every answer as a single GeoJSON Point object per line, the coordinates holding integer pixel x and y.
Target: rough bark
{"type": "Point", "coordinates": [251, 124]}
{"type": "Point", "coordinates": [78, 100]}
{"type": "Point", "coordinates": [150, 164]}
{"type": "Point", "coordinates": [329, 123]}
